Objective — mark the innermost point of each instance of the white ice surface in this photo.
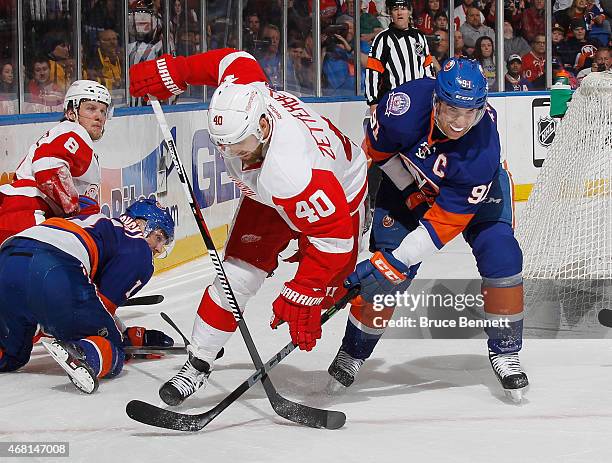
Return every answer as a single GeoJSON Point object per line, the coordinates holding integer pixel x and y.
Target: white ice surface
{"type": "Point", "coordinates": [417, 400]}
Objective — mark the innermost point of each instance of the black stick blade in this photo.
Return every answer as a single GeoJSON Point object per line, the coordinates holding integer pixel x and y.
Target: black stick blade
{"type": "Point", "coordinates": [144, 300]}
{"type": "Point", "coordinates": [162, 418]}
{"type": "Point", "coordinates": [307, 416]}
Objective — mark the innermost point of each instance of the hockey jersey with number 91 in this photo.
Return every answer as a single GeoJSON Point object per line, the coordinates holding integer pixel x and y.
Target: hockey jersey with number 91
{"type": "Point", "coordinates": [312, 174]}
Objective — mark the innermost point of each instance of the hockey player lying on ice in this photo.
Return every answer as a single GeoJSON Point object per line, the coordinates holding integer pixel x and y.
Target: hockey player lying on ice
{"type": "Point", "coordinates": [437, 144]}
{"type": "Point", "coordinates": [60, 176]}
{"type": "Point", "coordinates": [69, 276]}
{"type": "Point", "coordinates": [301, 178]}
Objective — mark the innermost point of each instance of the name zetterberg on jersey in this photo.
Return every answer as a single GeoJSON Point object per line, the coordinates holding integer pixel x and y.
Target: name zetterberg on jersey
{"type": "Point", "coordinates": [293, 106]}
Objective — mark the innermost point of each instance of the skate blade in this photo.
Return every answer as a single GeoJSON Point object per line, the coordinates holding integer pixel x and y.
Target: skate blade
{"type": "Point", "coordinates": [79, 375]}
{"type": "Point", "coordinates": [334, 387]}
{"type": "Point", "coordinates": [515, 395]}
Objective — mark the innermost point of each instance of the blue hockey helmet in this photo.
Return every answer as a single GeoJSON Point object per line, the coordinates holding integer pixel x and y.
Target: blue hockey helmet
{"type": "Point", "coordinates": [461, 83]}
{"type": "Point", "coordinates": [156, 217]}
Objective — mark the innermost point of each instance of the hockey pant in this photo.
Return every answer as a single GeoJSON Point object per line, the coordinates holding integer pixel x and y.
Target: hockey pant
{"type": "Point", "coordinates": [498, 258]}
{"type": "Point", "coordinates": [39, 284]}
{"type": "Point", "coordinates": [18, 213]}
{"type": "Point", "coordinates": [257, 236]}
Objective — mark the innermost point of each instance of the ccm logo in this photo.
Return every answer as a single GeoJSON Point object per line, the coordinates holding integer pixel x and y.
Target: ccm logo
{"type": "Point", "coordinates": [389, 274]}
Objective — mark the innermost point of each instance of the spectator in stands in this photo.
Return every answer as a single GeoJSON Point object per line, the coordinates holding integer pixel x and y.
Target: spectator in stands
{"type": "Point", "coordinates": [576, 11]}
{"type": "Point", "coordinates": [440, 49]}
{"type": "Point", "coordinates": [558, 37]}
{"type": "Point", "coordinates": [188, 40]}
{"type": "Point", "coordinates": [484, 53]}
{"type": "Point", "coordinates": [473, 29]}
{"type": "Point", "coordinates": [578, 51]}
{"type": "Point", "coordinates": [61, 64]}
{"type": "Point", "coordinates": [513, 12]}
{"type": "Point", "coordinates": [41, 89]}
{"type": "Point", "coordinates": [425, 20]}
{"type": "Point", "coordinates": [533, 22]}
{"type": "Point", "coordinates": [514, 45]}
{"type": "Point", "coordinates": [601, 63]}
{"type": "Point", "coordinates": [459, 45]}
{"type": "Point", "coordinates": [534, 63]}
{"type": "Point", "coordinates": [461, 13]}
{"type": "Point", "coordinates": [269, 58]}
{"type": "Point", "coordinates": [513, 80]}
{"type": "Point", "coordinates": [441, 21]}
{"type": "Point", "coordinates": [7, 81]}
{"type": "Point", "coordinates": [597, 24]}
{"type": "Point", "coordinates": [369, 27]}
{"type": "Point", "coordinates": [250, 36]}
{"type": "Point", "coordinates": [105, 66]}
{"type": "Point", "coordinates": [339, 62]}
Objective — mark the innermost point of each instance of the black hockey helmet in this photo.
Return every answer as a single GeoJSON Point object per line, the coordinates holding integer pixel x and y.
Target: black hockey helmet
{"type": "Point", "coordinates": [391, 3]}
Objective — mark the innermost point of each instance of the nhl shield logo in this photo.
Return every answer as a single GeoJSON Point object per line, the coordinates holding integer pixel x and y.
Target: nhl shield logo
{"type": "Point", "coordinates": [546, 130]}
{"type": "Point", "coordinates": [418, 48]}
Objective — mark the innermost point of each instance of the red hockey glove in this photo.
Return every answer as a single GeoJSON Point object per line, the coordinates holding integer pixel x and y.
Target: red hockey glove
{"type": "Point", "coordinates": [161, 77]}
{"type": "Point", "coordinates": [300, 307]}
{"type": "Point", "coordinates": [138, 336]}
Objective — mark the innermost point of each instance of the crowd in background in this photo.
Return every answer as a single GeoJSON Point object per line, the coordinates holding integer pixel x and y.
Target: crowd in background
{"type": "Point", "coordinates": [580, 35]}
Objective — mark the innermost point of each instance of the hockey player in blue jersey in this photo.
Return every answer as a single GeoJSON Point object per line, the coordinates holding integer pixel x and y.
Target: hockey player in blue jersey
{"type": "Point", "coordinates": [68, 276]}
{"type": "Point", "coordinates": [437, 143]}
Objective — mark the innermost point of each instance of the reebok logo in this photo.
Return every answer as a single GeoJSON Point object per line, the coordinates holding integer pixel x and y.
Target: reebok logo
{"type": "Point", "coordinates": [298, 298]}
{"type": "Point", "coordinates": [162, 67]}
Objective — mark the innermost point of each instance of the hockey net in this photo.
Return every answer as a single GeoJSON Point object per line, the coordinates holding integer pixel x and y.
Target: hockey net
{"type": "Point", "coordinates": [566, 229]}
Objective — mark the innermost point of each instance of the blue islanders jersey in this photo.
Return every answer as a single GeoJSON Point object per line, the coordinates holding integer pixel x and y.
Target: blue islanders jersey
{"type": "Point", "coordinates": [454, 175]}
{"type": "Point", "coordinates": [114, 252]}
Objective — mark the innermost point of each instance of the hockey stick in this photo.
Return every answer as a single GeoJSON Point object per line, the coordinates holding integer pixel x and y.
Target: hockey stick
{"type": "Point", "coordinates": [150, 414]}
{"type": "Point", "coordinates": [293, 411]}
{"type": "Point", "coordinates": [144, 300]}
{"type": "Point", "coordinates": [170, 322]}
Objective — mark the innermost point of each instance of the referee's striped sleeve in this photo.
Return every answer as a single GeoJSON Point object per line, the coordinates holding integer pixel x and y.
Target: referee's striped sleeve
{"type": "Point", "coordinates": [374, 69]}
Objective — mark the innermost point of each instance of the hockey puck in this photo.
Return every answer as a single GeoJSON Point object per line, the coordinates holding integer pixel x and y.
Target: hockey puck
{"type": "Point", "coordinates": [605, 317]}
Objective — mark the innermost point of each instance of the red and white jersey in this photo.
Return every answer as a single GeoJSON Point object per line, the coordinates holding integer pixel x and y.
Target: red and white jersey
{"type": "Point", "coordinates": [312, 174]}
{"type": "Point", "coordinates": [66, 145]}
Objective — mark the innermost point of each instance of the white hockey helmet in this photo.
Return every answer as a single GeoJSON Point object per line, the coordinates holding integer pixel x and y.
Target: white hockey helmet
{"type": "Point", "coordinates": [234, 113]}
{"type": "Point", "coordinates": [87, 90]}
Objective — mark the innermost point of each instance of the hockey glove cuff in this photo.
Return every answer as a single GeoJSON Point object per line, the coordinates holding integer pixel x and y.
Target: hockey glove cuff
{"type": "Point", "coordinates": [162, 77]}
{"type": "Point", "coordinates": [88, 206]}
{"type": "Point", "coordinates": [381, 274]}
{"type": "Point", "coordinates": [138, 336]}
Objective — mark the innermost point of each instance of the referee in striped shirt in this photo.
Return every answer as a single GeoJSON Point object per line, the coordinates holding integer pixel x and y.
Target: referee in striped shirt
{"type": "Point", "coordinates": [398, 54]}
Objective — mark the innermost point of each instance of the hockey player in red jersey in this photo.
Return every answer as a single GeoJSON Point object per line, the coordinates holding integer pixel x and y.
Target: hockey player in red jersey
{"type": "Point", "coordinates": [301, 178]}
{"type": "Point", "coordinates": [60, 176]}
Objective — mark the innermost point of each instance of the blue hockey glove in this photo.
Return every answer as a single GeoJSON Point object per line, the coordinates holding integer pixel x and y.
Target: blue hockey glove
{"type": "Point", "coordinates": [381, 274]}
{"type": "Point", "coordinates": [138, 336]}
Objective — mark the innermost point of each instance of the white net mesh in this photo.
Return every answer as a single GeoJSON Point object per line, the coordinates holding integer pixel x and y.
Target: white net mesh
{"type": "Point", "coordinates": [566, 229]}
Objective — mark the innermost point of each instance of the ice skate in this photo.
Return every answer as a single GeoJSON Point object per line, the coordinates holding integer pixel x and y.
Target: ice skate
{"type": "Point", "coordinates": [187, 381]}
{"type": "Point", "coordinates": [343, 370]}
{"type": "Point", "coordinates": [72, 360]}
{"type": "Point", "coordinates": [507, 368]}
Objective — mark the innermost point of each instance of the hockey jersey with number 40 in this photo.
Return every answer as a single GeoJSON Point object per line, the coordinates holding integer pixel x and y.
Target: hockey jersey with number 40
{"type": "Point", "coordinates": [312, 174]}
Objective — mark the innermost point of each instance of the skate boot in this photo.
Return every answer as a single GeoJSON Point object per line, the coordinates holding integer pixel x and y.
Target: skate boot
{"type": "Point", "coordinates": [189, 379]}
{"type": "Point", "coordinates": [344, 368]}
{"type": "Point", "coordinates": [507, 368]}
{"type": "Point", "coordinates": [72, 359]}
